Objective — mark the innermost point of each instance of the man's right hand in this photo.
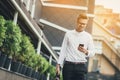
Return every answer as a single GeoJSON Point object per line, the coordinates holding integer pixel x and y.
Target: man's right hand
{"type": "Point", "coordinates": [58, 69]}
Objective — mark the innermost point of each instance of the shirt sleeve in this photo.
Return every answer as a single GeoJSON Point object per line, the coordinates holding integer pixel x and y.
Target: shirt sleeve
{"type": "Point", "coordinates": [91, 50]}
{"type": "Point", "coordinates": [63, 51]}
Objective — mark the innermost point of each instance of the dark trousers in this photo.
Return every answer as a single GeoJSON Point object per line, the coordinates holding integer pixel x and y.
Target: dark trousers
{"type": "Point", "coordinates": [73, 71]}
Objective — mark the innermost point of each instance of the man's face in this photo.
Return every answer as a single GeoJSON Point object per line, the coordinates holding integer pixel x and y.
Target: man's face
{"type": "Point", "coordinates": [81, 25]}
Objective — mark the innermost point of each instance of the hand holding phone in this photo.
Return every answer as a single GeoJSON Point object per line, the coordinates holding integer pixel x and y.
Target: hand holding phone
{"type": "Point", "coordinates": [82, 49]}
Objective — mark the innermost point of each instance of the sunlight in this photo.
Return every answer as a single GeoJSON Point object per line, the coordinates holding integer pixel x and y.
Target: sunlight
{"type": "Point", "coordinates": [112, 4]}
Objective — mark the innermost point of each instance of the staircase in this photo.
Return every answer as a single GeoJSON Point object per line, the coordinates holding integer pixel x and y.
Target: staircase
{"type": "Point", "coordinates": [109, 50]}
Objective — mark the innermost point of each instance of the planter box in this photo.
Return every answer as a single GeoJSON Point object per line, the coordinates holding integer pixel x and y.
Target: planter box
{"type": "Point", "coordinates": [2, 59]}
{"type": "Point", "coordinates": [7, 63]}
{"type": "Point", "coordinates": [37, 75]}
{"type": "Point", "coordinates": [33, 74]}
{"type": "Point", "coordinates": [28, 72]}
{"type": "Point", "coordinates": [20, 68]}
{"type": "Point", "coordinates": [15, 66]}
{"type": "Point", "coordinates": [24, 68]}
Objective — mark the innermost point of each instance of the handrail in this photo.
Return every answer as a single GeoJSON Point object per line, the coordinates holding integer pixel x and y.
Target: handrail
{"type": "Point", "coordinates": [113, 35]}
{"type": "Point", "coordinates": [102, 38]}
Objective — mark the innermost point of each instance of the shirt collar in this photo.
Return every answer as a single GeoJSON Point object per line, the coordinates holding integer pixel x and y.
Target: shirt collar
{"type": "Point", "coordinates": [78, 32]}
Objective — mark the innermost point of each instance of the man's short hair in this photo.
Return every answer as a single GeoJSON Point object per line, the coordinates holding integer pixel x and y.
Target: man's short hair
{"type": "Point", "coordinates": [82, 16]}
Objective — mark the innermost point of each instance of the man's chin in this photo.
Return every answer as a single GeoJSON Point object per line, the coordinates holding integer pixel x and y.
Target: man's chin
{"type": "Point", "coordinates": [80, 30]}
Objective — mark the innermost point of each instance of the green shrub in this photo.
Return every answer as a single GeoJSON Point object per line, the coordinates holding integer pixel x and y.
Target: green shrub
{"type": "Point", "coordinates": [12, 41]}
{"type": "Point", "coordinates": [2, 30]}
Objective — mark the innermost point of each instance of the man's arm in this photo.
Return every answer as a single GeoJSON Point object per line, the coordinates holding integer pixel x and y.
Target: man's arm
{"type": "Point", "coordinates": [58, 69]}
{"type": "Point", "coordinates": [61, 55]}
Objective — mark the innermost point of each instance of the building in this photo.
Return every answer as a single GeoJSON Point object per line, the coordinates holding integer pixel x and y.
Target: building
{"type": "Point", "coordinates": [46, 22]}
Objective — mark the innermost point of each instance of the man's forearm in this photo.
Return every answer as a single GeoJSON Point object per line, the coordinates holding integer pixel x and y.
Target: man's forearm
{"type": "Point", "coordinates": [58, 68]}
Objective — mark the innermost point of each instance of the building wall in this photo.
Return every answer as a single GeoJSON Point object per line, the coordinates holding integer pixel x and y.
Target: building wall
{"type": "Point", "coordinates": [106, 67]}
{"type": "Point", "coordinates": [103, 64]}
{"type": "Point", "coordinates": [63, 17]}
{"type": "Point", "coordinates": [7, 75]}
{"type": "Point", "coordinates": [72, 2]}
{"type": "Point", "coordinates": [66, 17]}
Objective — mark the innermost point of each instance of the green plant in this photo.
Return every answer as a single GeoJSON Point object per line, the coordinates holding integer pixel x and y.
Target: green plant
{"type": "Point", "coordinates": [12, 41]}
{"type": "Point", "coordinates": [24, 52]}
{"type": "Point", "coordinates": [37, 61]}
{"type": "Point", "coordinates": [52, 71]}
{"type": "Point", "coordinates": [27, 53]}
{"type": "Point", "coordinates": [32, 61]}
{"type": "Point", "coordinates": [30, 57]}
{"type": "Point", "coordinates": [44, 65]}
{"type": "Point", "coordinates": [2, 30]}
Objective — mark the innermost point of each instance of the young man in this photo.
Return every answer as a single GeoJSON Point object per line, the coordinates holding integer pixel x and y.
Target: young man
{"type": "Point", "coordinates": [76, 46]}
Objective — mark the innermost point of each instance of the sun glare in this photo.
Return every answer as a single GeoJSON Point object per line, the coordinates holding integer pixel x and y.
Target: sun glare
{"type": "Point", "coordinates": [112, 4]}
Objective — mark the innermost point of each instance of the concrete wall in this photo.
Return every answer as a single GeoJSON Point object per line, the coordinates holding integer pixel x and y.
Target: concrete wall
{"type": "Point", "coordinates": [8, 75]}
{"type": "Point", "coordinates": [104, 65]}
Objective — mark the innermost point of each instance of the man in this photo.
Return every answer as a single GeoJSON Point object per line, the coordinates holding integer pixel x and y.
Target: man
{"type": "Point", "coordinates": [76, 46]}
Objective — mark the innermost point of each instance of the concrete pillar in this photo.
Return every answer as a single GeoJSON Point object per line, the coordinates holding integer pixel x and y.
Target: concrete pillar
{"type": "Point", "coordinates": [15, 17]}
{"type": "Point", "coordinates": [50, 61]}
{"type": "Point", "coordinates": [91, 5]}
{"type": "Point", "coordinates": [28, 4]}
{"type": "Point", "coordinates": [33, 9]}
{"type": "Point", "coordinates": [21, 0]}
{"type": "Point", "coordinates": [39, 46]}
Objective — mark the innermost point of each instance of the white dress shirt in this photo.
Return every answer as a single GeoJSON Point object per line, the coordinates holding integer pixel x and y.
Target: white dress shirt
{"type": "Point", "coordinates": [69, 50]}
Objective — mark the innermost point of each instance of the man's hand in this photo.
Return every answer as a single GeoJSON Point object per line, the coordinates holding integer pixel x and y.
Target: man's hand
{"type": "Point", "coordinates": [82, 49]}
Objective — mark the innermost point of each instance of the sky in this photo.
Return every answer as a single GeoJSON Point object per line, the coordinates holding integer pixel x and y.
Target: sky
{"type": "Point", "coordinates": [112, 4]}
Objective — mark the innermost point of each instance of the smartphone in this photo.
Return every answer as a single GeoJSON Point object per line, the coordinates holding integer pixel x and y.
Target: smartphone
{"type": "Point", "coordinates": [82, 45]}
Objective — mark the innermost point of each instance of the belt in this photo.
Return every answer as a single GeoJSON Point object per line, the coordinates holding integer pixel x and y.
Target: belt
{"type": "Point", "coordinates": [69, 62]}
